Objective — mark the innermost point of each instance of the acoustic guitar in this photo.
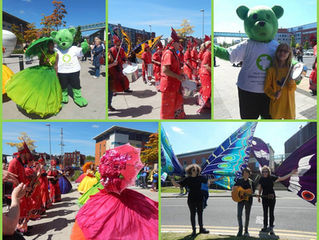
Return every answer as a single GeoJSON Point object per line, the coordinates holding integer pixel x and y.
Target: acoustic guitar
{"type": "Point", "coordinates": [239, 194]}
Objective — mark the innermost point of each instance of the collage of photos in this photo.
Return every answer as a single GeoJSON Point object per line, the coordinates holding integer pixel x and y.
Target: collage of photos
{"type": "Point", "coordinates": [153, 143]}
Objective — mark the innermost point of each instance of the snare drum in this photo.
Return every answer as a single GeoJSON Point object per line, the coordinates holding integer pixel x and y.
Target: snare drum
{"type": "Point", "coordinates": [298, 72]}
{"type": "Point", "coordinates": [189, 88]}
{"type": "Point", "coordinates": [131, 71]}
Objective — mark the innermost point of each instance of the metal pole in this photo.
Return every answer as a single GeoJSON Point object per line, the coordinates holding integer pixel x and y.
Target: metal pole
{"type": "Point", "coordinates": [49, 125]}
{"type": "Point", "coordinates": [150, 31]}
{"type": "Point", "coordinates": [202, 10]}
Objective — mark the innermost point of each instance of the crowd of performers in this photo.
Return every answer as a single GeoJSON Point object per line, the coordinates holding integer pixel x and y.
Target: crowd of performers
{"type": "Point", "coordinates": [197, 186]}
{"type": "Point", "coordinates": [172, 65]}
{"type": "Point", "coordinates": [38, 189]}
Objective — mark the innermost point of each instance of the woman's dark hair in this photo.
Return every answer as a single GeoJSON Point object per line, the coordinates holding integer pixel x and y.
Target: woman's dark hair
{"type": "Point", "coordinates": [190, 168]}
{"type": "Point", "coordinates": [247, 170]}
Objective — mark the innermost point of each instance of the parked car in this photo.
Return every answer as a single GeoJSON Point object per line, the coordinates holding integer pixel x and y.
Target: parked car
{"type": "Point", "coordinates": [309, 52]}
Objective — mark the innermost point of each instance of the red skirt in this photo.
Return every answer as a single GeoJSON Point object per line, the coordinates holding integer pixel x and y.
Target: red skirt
{"type": "Point", "coordinates": [205, 92]}
{"type": "Point", "coordinates": [172, 106]}
{"type": "Point", "coordinates": [55, 193]}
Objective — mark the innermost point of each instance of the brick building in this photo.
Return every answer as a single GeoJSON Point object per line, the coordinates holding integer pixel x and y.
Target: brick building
{"type": "Point", "coordinates": [117, 136]}
{"type": "Point", "coordinates": [73, 159]}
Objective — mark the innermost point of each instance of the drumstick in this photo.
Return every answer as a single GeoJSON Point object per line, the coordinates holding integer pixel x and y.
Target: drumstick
{"type": "Point", "coordinates": [118, 52]}
{"type": "Point", "coordinates": [283, 84]}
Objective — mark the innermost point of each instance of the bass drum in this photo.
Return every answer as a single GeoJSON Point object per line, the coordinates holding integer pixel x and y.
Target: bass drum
{"type": "Point", "coordinates": [299, 71]}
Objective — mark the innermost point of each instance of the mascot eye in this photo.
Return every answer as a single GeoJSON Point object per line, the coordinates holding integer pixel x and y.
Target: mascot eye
{"type": "Point", "coordinates": [60, 39]}
{"type": "Point", "coordinates": [255, 16]}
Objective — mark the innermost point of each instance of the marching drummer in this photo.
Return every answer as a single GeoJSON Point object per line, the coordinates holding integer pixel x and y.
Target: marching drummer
{"type": "Point", "coordinates": [156, 59]}
{"type": "Point", "coordinates": [172, 104]}
{"type": "Point", "coordinates": [147, 59]}
{"type": "Point", "coordinates": [118, 54]}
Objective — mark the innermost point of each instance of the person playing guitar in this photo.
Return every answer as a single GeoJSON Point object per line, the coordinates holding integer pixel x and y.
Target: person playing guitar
{"type": "Point", "coordinates": [248, 188]}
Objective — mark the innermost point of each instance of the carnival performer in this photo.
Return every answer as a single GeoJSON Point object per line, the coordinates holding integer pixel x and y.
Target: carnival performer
{"type": "Point", "coordinates": [181, 55]}
{"type": "Point", "coordinates": [313, 74]}
{"type": "Point", "coordinates": [53, 176]}
{"type": "Point", "coordinates": [281, 91]}
{"type": "Point", "coordinates": [147, 59]}
{"type": "Point", "coordinates": [44, 186]}
{"type": "Point", "coordinates": [117, 212]}
{"type": "Point", "coordinates": [195, 197]}
{"type": "Point", "coordinates": [172, 105]}
{"type": "Point", "coordinates": [156, 59]}
{"type": "Point", "coordinates": [246, 183]}
{"type": "Point", "coordinates": [113, 74]}
{"type": "Point", "coordinates": [121, 83]}
{"type": "Point", "coordinates": [6, 75]}
{"type": "Point", "coordinates": [37, 89]}
{"type": "Point", "coordinates": [64, 183]}
{"type": "Point", "coordinates": [194, 61]}
{"type": "Point", "coordinates": [89, 179]}
{"type": "Point", "coordinates": [266, 188]}
{"type": "Point", "coordinates": [204, 98]}
{"type": "Point", "coordinates": [188, 69]}
{"type": "Point", "coordinates": [16, 166]}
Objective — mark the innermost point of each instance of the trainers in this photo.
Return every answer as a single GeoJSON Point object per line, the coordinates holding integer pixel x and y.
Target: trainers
{"type": "Point", "coordinates": [240, 233]}
{"type": "Point", "coordinates": [193, 233]}
{"type": "Point", "coordinates": [264, 229]}
{"type": "Point", "coordinates": [246, 234]}
{"type": "Point", "coordinates": [111, 108]}
{"type": "Point", "coordinates": [94, 76]}
{"type": "Point", "coordinates": [203, 230]}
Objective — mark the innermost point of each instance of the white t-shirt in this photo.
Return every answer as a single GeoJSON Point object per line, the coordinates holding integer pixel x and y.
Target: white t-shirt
{"type": "Point", "coordinates": [68, 59]}
{"type": "Point", "coordinates": [257, 57]}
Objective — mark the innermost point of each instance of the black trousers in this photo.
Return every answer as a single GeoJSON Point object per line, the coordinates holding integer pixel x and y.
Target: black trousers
{"type": "Point", "coordinates": [240, 207]}
{"type": "Point", "coordinates": [269, 204]}
{"type": "Point", "coordinates": [252, 105]}
{"type": "Point", "coordinates": [196, 206]}
{"type": "Point", "coordinates": [70, 78]}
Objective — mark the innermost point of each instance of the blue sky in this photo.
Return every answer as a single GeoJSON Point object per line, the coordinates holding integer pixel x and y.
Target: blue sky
{"type": "Point", "coordinates": [161, 15]}
{"type": "Point", "coordinates": [188, 137]}
{"type": "Point", "coordinates": [76, 135]}
{"type": "Point", "coordinates": [80, 12]}
{"type": "Point", "coordinates": [296, 13]}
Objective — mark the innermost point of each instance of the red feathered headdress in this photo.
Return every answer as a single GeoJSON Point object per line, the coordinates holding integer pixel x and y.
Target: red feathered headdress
{"type": "Point", "coordinates": [116, 39]}
{"type": "Point", "coordinates": [174, 35]}
{"type": "Point", "coordinates": [207, 38]}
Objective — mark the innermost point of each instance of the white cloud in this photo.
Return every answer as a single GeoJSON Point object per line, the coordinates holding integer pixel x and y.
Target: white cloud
{"type": "Point", "coordinates": [26, 0]}
{"type": "Point", "coordinates": [178, 130]}
{"type": "Point", "coordinates": [95, 126]}
{"type": "Point", "coordinates": [21, 12]}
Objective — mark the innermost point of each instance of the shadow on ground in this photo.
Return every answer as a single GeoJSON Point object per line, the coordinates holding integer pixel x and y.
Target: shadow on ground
{"type": "Point", "coordinates": [132, 112]}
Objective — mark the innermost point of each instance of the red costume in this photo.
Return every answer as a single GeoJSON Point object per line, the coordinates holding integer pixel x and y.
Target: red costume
{"type": "Point", "coordinates": [44, 188]}
{"type": "Point", "coordinates": [205, 78]}
{"type": "Point", "coordinates": [187, 62]}
{"type": "Point", "coordinates": [35, 197]}
{"type": "Point", "coordinates": [172, 97]}
{"type": "Point", "coordinates": [194, 59]}
{"type": "Point", "coordinates": [16, 166]}
{"type": "Point", "coordinates": [55, 193]}
{"type": "Point", "coordinates": [147, 59]}
{"type": "Point", "coordinates": [119, 80]}
{"type": "Point", "coordinates": [157, 56]}
{"type": "Point", "coordinates": [181, 56]}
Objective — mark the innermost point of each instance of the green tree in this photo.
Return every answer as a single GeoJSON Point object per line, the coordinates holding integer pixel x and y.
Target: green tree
{"type": "Point", "coordinates": [78, 35]}
{"type": "Point", "coordinates": [150, 153]}
{"type": "Point", "coordinates": [31, 33]}
{"type": "Point", "coordinates": [306, 45]}
{"type": "Point", "coordinates": [185, 30]}
{"type": "Point", "coordinates": [89, 158]}
{"type": "Point", "coordinates": [55, 20]}
{"type": "Point", "coordinates": [292, 41]}
{"type": "Point", "coordinates": [18, 32]}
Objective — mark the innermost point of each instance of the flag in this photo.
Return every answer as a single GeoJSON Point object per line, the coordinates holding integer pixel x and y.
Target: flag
{"type": "Point", "coordinates": [260, 151]}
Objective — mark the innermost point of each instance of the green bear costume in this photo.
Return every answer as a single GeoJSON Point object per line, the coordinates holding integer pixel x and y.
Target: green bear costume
{"type": "Point", "coordinates": [68, 65]}
{"type": "Point", "coordinates": [256, 54]}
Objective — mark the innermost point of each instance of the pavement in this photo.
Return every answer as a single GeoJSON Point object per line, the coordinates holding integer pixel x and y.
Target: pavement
{"type": "Point", "coordinates": [92, 89]}
{"type": "Point", "coordinates": [295, 219]}
{"type": "Point", "coordinates": [145, 103]}
{"type": "Point", "coordinates": [226, 103]}
{"type": "Point", "coordinates": [58, 221]}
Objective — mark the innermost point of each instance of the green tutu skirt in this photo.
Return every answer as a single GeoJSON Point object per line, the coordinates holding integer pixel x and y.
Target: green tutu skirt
{"type": "Point", "coordinates": [37, 90]}
{"type": "Point", "coordinates": [92, 191]}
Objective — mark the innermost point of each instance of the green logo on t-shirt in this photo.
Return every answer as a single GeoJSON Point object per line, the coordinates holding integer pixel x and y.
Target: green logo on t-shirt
{"type": "Point", "coordinates": [66, 58]}
{"type": "Point", "coordinates": [263, 62]}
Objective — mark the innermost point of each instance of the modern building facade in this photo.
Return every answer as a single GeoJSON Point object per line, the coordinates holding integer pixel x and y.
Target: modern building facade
{"type": "Point", "coordinates": [117, 136]}
{"type": "Point", "coordinates": [8, 20]}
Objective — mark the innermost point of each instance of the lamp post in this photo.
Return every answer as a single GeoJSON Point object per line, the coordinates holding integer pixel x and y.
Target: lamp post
{"type": "Point", "coordinates": [202, 10]}
{"type": "Point", "coordinates": [150, 30]}
{"type": "Point", "coordinates": [49, 125]}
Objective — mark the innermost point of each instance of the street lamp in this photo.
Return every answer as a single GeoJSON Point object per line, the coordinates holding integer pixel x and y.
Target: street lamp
{"type": "Point", "coordinates": [49, 125]}
{"type": "Point", "coordinates": [150, 30]}
{"type": "Point", "coordinates": [202, 10]}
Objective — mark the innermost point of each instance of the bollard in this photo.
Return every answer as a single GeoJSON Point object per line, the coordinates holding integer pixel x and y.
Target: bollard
{"type": "Point", "coordinates": [21, 62]}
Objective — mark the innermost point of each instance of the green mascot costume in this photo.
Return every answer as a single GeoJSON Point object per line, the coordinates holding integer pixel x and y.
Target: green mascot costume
{"type": "Point", "coordinates": [68, 65]}
{"type": "Point", "coordinates": [256, 54]}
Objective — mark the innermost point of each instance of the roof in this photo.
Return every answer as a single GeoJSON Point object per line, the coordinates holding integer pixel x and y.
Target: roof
{"type": "Point", "coordinates": [203, 151]}
{"type": "Point", "coordinates": [7, 17]}
{"type": "Point", "coordinates": [114, 128]}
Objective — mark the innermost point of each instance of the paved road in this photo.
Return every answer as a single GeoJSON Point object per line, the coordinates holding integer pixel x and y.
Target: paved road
{"type": "Point", "coordinates": [295, 218]}
{"type": "Point", "coordinates": [92, 89]}
{"type": "Point", "coordinates": [226, 104]}
{"type": "Point", "coordinates": [59, 219]}
{"type": "Point", "coordinates": [145, 103]}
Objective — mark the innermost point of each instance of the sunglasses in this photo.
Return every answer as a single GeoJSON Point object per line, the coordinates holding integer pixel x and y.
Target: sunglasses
{"type": "Point", "coordinates": [264, 171]}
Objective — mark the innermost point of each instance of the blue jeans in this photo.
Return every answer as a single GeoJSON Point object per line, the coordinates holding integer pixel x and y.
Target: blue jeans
{"type": "Point", "coordinates": [97, 71]}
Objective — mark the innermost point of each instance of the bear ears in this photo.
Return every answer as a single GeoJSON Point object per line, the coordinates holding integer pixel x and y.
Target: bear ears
{"type": "Point", "coordinates": [72, 30]}
{"type": "Point", "coordinates": [242, 11]}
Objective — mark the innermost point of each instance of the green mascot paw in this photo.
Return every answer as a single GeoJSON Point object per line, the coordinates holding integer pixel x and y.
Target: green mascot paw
{"type": "Point", "coordinates": [78, 99]}
{"type": "Point", "coordinates": [85, 46]}
{"type": "Point", "coordinates": [65, 96]}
